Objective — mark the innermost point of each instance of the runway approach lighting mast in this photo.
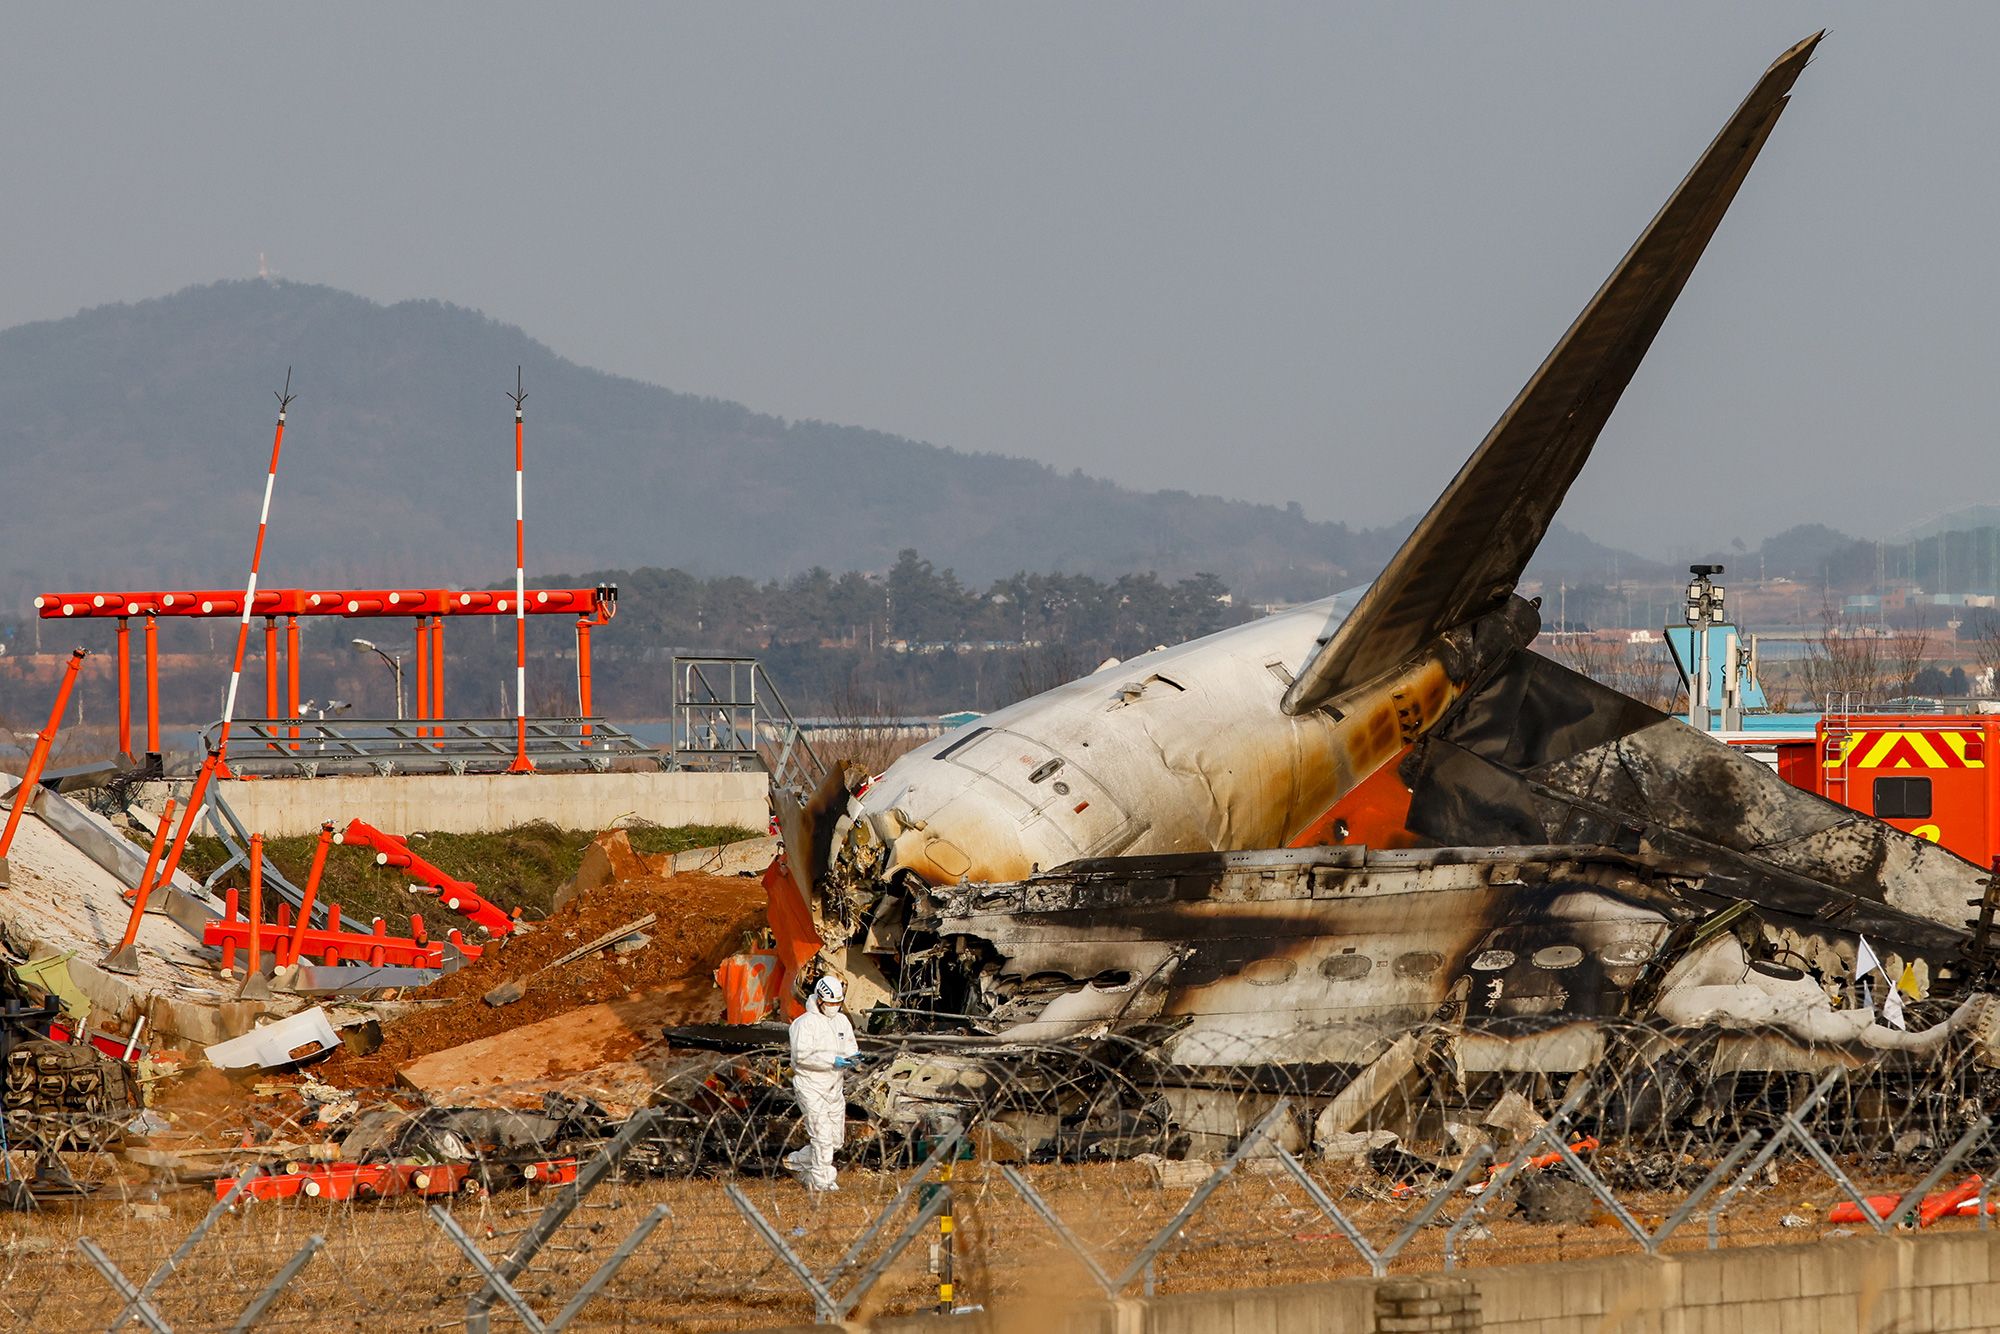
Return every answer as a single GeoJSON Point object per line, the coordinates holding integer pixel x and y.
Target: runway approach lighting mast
{"type": "Point", "coordinates": [522, 764]}
{"type": "Point", "coordinates": [1704, 608]}
{"type": "Point", "coordinates": [213, 761]}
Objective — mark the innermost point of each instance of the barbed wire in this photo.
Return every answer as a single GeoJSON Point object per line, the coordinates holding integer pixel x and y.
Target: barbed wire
{"type": "Point", "coordinates": [1082, 1166]}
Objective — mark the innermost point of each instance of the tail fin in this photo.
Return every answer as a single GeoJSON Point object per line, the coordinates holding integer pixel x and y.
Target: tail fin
{"type": "Point", "coordinates": [1467, 554]}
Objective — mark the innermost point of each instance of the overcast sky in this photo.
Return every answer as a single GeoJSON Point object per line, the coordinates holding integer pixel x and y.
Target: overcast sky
{"type": "Point", "coordinates": [1298, 252]}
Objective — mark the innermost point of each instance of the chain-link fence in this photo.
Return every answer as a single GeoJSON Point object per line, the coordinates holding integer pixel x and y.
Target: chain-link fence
{"type": "Point", "coordinates": [973, 1174]}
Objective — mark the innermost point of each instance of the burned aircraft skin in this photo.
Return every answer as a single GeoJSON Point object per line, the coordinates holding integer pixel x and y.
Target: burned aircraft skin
{"type": "Point", "coordinates": [1246, 738]}
{"type": "Point", "coordinates": [1114, 857]}
{"type": "Point", "coordinates": [1545, 754]}
{"type": "Point", "coordinates": [1318, 956]}
{"type": "Point", "coordinates": [1194, 730]}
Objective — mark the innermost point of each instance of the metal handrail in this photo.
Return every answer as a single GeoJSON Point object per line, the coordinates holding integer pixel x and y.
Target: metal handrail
{"type": "Point", "coordinates": [728, 713]}
{"type": "Point", "coordinates": [310, 745]}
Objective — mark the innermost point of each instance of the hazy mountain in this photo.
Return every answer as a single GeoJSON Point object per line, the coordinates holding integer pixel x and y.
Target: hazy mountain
{"type": "Point", "coordinates": [135, 438]}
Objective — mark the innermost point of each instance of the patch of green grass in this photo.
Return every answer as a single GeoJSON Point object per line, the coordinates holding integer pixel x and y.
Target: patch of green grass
{"type": "Point", "coordinates": [521, 867]}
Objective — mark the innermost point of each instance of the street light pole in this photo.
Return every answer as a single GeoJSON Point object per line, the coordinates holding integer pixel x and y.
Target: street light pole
{"type": "Point", "coordinates": [395, 662]}
{"type": "Point", "coordinates": [1703, 609]}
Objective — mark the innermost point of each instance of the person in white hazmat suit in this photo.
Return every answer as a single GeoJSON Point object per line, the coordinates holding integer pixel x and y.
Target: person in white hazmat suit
{"type": "Point", "coordinates": [823, 1047]}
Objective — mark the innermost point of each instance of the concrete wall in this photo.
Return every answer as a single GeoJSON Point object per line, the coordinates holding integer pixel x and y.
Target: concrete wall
{"type": "Point", "coordinates": [480, 803]}
{"type": "Point", "coordinates": [1939, 1281]}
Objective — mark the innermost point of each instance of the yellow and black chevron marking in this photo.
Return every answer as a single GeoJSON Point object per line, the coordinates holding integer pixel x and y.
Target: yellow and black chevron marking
{"type": "Point", "coordinates": [1905, 750]}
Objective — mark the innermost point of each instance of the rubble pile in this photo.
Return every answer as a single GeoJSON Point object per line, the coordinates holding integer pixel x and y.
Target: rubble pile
{"type": "Point", "coordinates": [699, 919]}
{"type": "Point", "coordinates": [570, 1003]}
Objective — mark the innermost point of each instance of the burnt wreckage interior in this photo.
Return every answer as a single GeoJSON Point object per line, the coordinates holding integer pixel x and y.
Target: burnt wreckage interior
{"type": "Point", "coordinates": [1569, 856]}
{"type": "Point", "coordinates": [1562, 882]}
{"type": "Point", "coordinates": [1584, 887]}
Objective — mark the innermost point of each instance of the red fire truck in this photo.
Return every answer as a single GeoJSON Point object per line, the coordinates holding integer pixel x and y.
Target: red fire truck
{"type": "Point", "coordinates": [1925, 773]}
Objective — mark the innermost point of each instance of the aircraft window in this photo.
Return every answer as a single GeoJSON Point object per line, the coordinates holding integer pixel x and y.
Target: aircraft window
{"type": "Point", "coordinates": [1269, 972]}
{"type": "Point", "coordinates": [1493, 961]}
{"type": "Point", "coordinates": [1558, 956]}
{"type": "Point", "coordinates": [1418, 963]}
{"type": "Point", "coordinates": [1346, 967]}
{"type": "Point", "coordinates": [1902, 798]}
{"type": "Point", "coordinates": [961, 743]}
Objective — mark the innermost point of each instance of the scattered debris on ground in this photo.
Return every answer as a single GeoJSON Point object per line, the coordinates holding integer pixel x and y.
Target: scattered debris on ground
{"type": "Point", "coordinates": [699, 919]}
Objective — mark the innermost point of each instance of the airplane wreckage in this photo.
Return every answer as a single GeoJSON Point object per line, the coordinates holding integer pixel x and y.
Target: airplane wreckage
{"type": "Point", "coordinates": [1377, 829]}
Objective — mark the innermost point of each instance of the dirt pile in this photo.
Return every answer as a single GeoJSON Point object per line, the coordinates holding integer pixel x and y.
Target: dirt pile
{"type": "Point", "coordinates": [700, 920]}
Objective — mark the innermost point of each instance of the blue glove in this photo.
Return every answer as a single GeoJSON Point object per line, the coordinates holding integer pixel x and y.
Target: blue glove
{"type": "Point", "coordinates": [843, 1062]}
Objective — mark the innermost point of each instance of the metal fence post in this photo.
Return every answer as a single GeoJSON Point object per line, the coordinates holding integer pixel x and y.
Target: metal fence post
{"type": "Point", "coordinates": [1151, 1250]}
{"type": "Point", "coordinates": [1914, 1198]}
{"type": "Point", "coordinates": [1509, 1171]}
{"type": "Point", "coordinates": [1769, 1151]}
{"type": "Point", "coordinates": [880, 1265]}
{"type": "Point", "coordinates": [135, 1298]}
{"type": "Point", "coordinates": [262, 1301]}
{"type": "Point", "coordinates": [823, 1304]}
{"type": "Point", "coordinates": [1379, 1261]}
{"type": "Point", "coordinates": [496, 1282]}
{"type": "Point", "coordinates": [1708, 1183]}
{"type": "Point", "coordinates": [1035, 1201]}
{"type": "Point", "coordinates": [480, 1305]}
{"type": "Point", "coordinates": [595, 1283]}
{"type": "Point", "coordinates": [181, 1252]}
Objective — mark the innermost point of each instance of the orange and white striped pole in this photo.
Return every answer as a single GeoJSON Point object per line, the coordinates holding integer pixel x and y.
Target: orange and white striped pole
{"type": "Point", "coordinates": [522, 764]}
{"type": "Point", "coordinates": [214, 761]}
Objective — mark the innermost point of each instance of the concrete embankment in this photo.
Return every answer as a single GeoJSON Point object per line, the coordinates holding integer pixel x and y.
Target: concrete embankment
{"type": "Point", "coordinates": [1931, 1282]}
{"type": "Point", "coordinates": [484, 803]}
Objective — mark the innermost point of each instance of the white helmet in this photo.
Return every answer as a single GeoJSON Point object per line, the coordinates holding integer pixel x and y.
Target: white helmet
{"type": "Point", "coordinates": [829, 990]}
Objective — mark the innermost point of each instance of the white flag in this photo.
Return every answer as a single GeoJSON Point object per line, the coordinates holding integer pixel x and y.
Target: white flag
{"type": "Point", "coordinates": [1865, 961]}
{"type": "Point", "coordinates": [1892, 1009]}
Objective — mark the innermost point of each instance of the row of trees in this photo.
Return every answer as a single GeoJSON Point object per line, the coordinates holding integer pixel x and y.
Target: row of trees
{"type": "Point", "coordinates": [914, 607]}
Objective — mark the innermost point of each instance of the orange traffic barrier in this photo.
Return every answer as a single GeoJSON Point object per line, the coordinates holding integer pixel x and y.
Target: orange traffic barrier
{"type": "Point", "coordinates": [1960, 1199]}
{"type": "Point", "coordinates": [1937, 1206]}
{"type": "Point", "coordinates": [749, 985]}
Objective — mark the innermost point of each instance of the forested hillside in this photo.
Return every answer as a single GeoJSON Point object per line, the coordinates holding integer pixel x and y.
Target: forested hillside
{"type": "Point", "coordinates": [141, 433]}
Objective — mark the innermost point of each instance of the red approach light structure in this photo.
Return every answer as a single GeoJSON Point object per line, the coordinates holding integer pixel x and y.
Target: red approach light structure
{"type": "Point", "coordinates": [461, 896]}
{"type": "Point", "coordinates": [427, 607]}
{"type": "Point", "coordinates": [237, 934]}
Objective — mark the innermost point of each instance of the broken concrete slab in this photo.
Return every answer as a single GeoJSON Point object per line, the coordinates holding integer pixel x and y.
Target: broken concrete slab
{"type": "Point", "coordinates": [1381, 1078]}
{"type": "Point", "coordinates": [1352, 1145]}
{"type": "Point", "coordinates": [98, 839]}
{"type": "Point", "coordinates": [62, 902]}
{"type": "Point", "coordinates": [565, 1049]}
{"type": "Point", "coordinates": [318, 979]}
{"type": "Point", "coordinates": [746, 856]}
{"type": "Point", "coordinates": [609, 858]}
